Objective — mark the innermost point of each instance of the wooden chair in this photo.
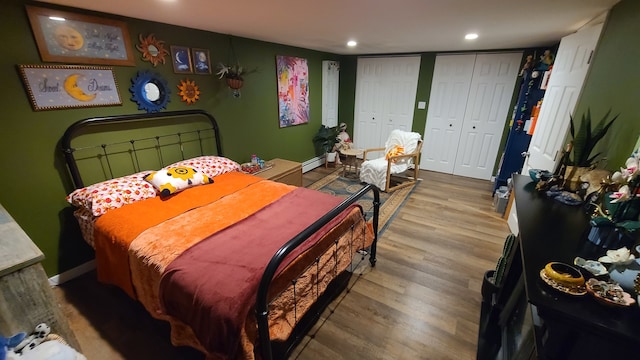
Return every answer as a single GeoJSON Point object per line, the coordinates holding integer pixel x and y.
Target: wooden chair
{"type": "Point", "coordinates": [382, 170]}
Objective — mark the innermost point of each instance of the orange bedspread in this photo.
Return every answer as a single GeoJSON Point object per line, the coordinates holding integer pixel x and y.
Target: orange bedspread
{"type": "Point", "coordinates": [117, 230]}
{"type": "Point", "coordinates": [135, 244]}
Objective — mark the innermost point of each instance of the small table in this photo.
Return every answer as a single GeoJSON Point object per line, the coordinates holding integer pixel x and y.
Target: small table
{"type": "Point", "coordinates": [351, 161]}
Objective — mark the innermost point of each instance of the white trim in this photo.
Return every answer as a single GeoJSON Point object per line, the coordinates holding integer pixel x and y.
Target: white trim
{"type": "Point", "coordinates": [72, 273]}
{"type": "Point", "coordinates": [312, 163]}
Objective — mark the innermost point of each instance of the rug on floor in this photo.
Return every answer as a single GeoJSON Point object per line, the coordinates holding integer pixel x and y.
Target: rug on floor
{"type": "Point", "coordinates": [390, 203]}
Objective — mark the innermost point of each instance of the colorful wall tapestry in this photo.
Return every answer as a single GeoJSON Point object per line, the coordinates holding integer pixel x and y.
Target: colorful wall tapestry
{"type": "Point", "coordinates": [293, 90]}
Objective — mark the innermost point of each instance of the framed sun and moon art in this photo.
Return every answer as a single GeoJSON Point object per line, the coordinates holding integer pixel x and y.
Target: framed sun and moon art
{"type": "Point", "coordinates": [51, 87]}
{"type": "Point", "coordinates": [181, 59]}
{"type": "Point", "coordinates": [67, 37]}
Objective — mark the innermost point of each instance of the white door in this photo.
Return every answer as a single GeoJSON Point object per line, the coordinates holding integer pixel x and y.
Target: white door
{"type": "Point", "coordinates": [494, 78]}
{"type": "Point", "coordinates": [385, 97]}
{"type": "Point", "coordinates": [330, 86]}
{"type": "Point", "coordinates": [449, 93]}
{"type": "Point", "coordinates": [567, 77]}
{"type": "Point", "coordinates": [468, 107]}
{"type": "Point", "coordinates": [369, 103]}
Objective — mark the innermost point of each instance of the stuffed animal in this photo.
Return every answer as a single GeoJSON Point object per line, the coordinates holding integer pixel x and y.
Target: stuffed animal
{"type": "Point", "coordinates": [39, 345]}
{"type": "Point", "coordinates": [34, 339]}
{"type": "Point", "coordinates": [7, 344]}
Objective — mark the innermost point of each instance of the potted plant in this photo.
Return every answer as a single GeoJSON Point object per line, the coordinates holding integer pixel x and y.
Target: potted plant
{"type": "Point", "coordinates": [585, 139]}
{"type": "Point", "coordinates": [325, 140]}
{"type": "Point", "coordinates": [579, 159]}
{"type": "Point", "coordinates": [233, 75]}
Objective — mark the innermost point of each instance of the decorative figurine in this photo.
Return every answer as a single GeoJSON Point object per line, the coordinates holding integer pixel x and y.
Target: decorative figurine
{"type": "Point", "coordinates": [344, 141]}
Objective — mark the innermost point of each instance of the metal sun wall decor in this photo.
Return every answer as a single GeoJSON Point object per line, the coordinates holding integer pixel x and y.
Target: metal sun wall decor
{"type": "Point", "coordinates": [293, 90]}
{"type": "Point", "coordinates": [152, 49]}
{"type": "Point", "coordinates": [150, 91]}
{"type": "Point", "coordinates": [189, 91]}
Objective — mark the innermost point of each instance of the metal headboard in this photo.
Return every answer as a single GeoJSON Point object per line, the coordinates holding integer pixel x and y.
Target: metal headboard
{"type": "Point", "coordinates": [96, 124]}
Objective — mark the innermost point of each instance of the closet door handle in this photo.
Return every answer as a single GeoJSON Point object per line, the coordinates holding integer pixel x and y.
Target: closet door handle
{"type": "Point", "coordinates": [450, 125]}
{"type": "Point", "coordinates": [474, 127]}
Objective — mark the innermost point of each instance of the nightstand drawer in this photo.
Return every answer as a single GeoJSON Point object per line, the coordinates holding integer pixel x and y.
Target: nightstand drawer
{"type": "Point", "coordinates": [284, 171]}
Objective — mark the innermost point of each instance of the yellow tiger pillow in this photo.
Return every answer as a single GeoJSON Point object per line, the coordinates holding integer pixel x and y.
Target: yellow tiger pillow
{"type": "Point", "coordinates": [171, 180]}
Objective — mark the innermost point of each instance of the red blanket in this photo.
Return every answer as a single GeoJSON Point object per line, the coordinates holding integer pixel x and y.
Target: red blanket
{"type": "Point", "coordinates": [212, 286]}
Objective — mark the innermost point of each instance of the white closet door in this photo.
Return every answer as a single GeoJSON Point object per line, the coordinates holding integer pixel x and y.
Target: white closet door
{"type": "Point", "coordinates": [490, 94]}
{"type": "Point", "coordinates": [401, 86]}
{"type": "Point", "coordinates": [385, 98]}
{"type": "Point", "coordinates": [468, 107]}
{"type": "Point", "coordinates": [369, 105]}
{"type": "Point", "coordinates": [447, 103]}
{"type": "Point", "coordinates": [330, 86]}
{"type": "Point", "coordinates": [567, 77]}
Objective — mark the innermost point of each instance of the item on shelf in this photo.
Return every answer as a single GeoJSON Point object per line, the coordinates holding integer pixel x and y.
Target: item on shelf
{"type": "Point", "coordinates": [609, 293]}
{"type": "Point", "coordinates": [564, 278]}
{"type": "Point", "coordinates": [621, 256]}
{"type": "Point", "coordinates": [538, 174]}
{"type": "Point", "coordinates": [250, 168]}
{"type": "Point", "coordinates": [593, 267]}
{"type": "Point", "coordinates": [257, 167]}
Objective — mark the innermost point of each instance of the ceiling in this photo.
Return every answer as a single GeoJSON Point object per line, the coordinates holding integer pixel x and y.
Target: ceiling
{"type": "Point", "coordinates": [379, 27]}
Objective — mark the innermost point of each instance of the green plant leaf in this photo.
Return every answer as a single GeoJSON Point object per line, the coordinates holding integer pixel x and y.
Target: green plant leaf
{"type": "Point", "coordinates": [325, 139]}
{"type": "Point", "coordinates": [586, 138]}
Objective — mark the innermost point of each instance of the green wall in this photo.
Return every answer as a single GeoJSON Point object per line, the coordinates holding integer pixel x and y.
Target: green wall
{"type": "Point", "coordinates": [613, 82]}
{"type": "Point", "coordinates": [35, 186]}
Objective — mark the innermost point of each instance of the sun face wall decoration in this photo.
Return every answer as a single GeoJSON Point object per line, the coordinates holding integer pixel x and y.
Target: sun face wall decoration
{"type": "Point", "coordinates": [152, 49]}
{"type": "Point", "coordinates": [150, 91]}
{"type": "Point", "coordinates": [189, 91]}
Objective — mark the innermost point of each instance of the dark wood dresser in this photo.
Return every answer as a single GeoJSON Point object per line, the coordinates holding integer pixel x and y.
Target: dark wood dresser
{"type": "Point", "coordinates": [527, 319]}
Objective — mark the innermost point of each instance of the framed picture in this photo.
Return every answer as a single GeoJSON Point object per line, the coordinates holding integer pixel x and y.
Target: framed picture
{"type": "Point", "coordinates": [51, 87]}
{"type": "Point", "coordinates": [181, 59]}
{"type": "Point", "coordinates": [293, 90]}
{"type": "Point", "coordinates": [74, 38]}
{"type": "Point", "coordinates": [201, 61]}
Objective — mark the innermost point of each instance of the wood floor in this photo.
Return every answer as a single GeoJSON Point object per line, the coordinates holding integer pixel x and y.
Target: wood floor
{"type": "Point", "coordinates": [421, 301]}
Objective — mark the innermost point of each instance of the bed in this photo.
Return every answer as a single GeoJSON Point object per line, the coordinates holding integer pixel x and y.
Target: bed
{"type": "Point", "coordinates": [240, 266]}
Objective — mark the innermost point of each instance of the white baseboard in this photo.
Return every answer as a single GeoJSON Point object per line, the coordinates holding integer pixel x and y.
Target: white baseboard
{"type": "Point", "coordinates": [72, 273]}
{"type": "Point", "coordinates": [312, 163]}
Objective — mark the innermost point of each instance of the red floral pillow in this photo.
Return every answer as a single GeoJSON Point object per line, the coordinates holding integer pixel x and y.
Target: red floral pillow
{"type": "Point", "coordinates": [112, 194]}
{"type": "Point", "coordinates": [210, 165]}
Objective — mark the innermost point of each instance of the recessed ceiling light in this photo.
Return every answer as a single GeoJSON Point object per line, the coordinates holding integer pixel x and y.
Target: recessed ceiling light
{"type": "Point", "coordinates": [352, 43]}
{"type": "Point", "coordinates": [57, 18]}
{"type": "Point", "coordinates": [471, 36]}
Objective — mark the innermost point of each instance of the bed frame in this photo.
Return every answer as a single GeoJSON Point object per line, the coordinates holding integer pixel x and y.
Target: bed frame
{"type": "Point", "coordinates": [203, 138]}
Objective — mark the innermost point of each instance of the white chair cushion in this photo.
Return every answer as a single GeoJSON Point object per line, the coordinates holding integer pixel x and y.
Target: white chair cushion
{"type": "Point", "coordinates": [375, 171]}
{"type": "Point", "coordinates": [408, 140]}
